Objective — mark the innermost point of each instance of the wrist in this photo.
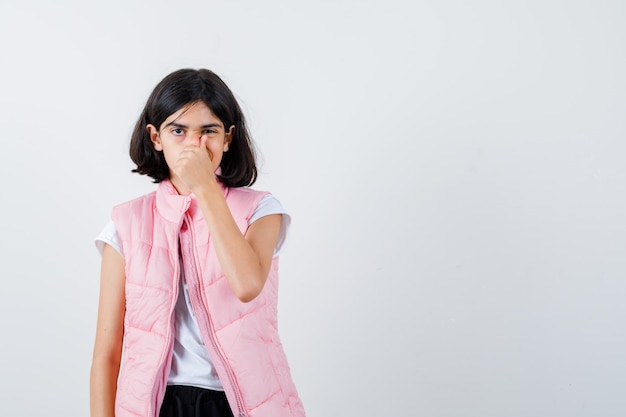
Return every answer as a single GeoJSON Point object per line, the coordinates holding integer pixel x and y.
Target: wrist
{"type": "Point", "coordinates": [207, 190]}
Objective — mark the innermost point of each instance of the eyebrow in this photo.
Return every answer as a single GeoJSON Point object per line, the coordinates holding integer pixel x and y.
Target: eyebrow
{"type": "Point", "coordinates": [174, 124]}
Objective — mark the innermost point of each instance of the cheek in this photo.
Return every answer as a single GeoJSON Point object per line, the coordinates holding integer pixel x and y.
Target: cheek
{"type": "Point", "coordinates": [216, 156]}
{"type": "Point", "coordinates": [171, 156]}
{"type": "Point", "coordinates": [216, 147]}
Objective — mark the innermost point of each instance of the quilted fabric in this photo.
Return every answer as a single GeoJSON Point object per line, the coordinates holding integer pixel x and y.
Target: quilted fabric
{"type": "Point", "coordinates": [242, 338]}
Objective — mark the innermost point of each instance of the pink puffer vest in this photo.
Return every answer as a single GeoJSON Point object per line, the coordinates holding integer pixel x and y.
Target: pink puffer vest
{"type": "Point", "coordinates": [242, 338]}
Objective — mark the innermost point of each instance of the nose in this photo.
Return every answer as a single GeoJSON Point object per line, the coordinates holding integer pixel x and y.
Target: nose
{"type": "Point", "coordinates": [195, 139]}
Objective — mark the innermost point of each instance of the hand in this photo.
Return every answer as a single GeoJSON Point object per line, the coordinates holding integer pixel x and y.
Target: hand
{"type": "Point", "coordinates": [194, 166]}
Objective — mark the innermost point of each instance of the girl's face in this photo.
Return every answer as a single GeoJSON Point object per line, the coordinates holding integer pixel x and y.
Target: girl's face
{"type": "Point", "coordinates": [186, 128]}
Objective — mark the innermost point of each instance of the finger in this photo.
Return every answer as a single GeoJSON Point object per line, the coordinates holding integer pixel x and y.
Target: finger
{"type": "Point", "coordinates": [203, 140]}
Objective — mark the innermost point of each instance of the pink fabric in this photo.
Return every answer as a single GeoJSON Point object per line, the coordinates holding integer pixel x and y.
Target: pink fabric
{"type": "Point", "coordinates": [242, 338]}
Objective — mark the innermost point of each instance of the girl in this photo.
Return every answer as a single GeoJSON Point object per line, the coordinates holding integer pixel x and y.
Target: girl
{"type": "Point", "coordinates": [189, 278]}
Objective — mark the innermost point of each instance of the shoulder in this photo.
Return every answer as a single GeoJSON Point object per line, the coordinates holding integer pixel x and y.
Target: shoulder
{"type": "Point", "coordinates": [244, 198]}
{"type": "Point", "coordinates": [131, 206]}
{"type": "Point", "coordinates": [246, 193]}
{"type": "Point", "coordinates": [133, 211]}
{"type": "Point", "coordinates": [269, 204]}
{"type": "Point", "coordinates": [138, 201]}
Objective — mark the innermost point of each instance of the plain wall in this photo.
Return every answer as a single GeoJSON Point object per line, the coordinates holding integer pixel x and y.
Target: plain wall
{"type": "Point", "coordinates": [454, 170]}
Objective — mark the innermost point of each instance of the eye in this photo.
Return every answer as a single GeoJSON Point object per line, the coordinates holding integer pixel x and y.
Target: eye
{"type": "Point", "coordinates": [209, 131]}
{"type": "Point", "coordinates": [177, 131]}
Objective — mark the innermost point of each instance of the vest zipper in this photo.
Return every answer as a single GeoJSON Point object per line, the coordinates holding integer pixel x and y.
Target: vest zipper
{"type": "Point", "coordinates": [204, 319]}
{"type": "Point", "coordinates": [166, 356]}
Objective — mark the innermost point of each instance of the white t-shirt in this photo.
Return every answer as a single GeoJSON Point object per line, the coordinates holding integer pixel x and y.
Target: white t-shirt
{"type": "Point", "coordinates": [191, 364]}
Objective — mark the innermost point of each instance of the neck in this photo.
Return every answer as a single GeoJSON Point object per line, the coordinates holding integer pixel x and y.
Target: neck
{"type": "Point", "coordinates": [180, 186]}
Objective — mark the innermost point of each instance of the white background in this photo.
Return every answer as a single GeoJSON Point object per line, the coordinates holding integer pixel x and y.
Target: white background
{"type": "Point", "coordinates": [454, 169]}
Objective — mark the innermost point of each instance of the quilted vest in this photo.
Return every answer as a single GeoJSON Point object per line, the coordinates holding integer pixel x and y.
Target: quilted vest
{"type": "Point", "coordinates": [156, 231]}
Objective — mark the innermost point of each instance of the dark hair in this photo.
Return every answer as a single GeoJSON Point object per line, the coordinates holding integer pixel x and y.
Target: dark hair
{"type": "Point", "coordinates": [182, 88]}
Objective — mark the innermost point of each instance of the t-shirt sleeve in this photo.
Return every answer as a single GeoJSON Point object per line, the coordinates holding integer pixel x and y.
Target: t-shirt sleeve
{"type": "Point", "coordinates": [109, 236]}
{"type": "Point", "coordinates": [271, 205]}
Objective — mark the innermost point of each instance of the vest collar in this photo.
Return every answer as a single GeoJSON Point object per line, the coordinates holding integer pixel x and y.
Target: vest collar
{"type": "Point", "coordinates": [173, 206]}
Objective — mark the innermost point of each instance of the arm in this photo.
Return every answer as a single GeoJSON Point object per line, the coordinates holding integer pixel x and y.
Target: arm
{"type": "Point", "coordinates": [109, 334]}
{"type": "Point", "coordinates": [245, 259]}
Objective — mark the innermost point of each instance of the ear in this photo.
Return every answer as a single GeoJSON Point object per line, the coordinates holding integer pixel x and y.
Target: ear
{"type": "Point", "coordinates": [229, 137]}
{"type": "Point", "coordinates": [153, 132]}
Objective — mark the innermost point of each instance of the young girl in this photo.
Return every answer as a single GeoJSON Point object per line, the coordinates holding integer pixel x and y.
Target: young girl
{"type": "Point", "coordinates": [187, 320]}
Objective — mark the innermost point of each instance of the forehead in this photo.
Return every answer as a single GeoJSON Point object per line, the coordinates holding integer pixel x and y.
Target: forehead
{"type": "Point", "coordinates": [194, 114]}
